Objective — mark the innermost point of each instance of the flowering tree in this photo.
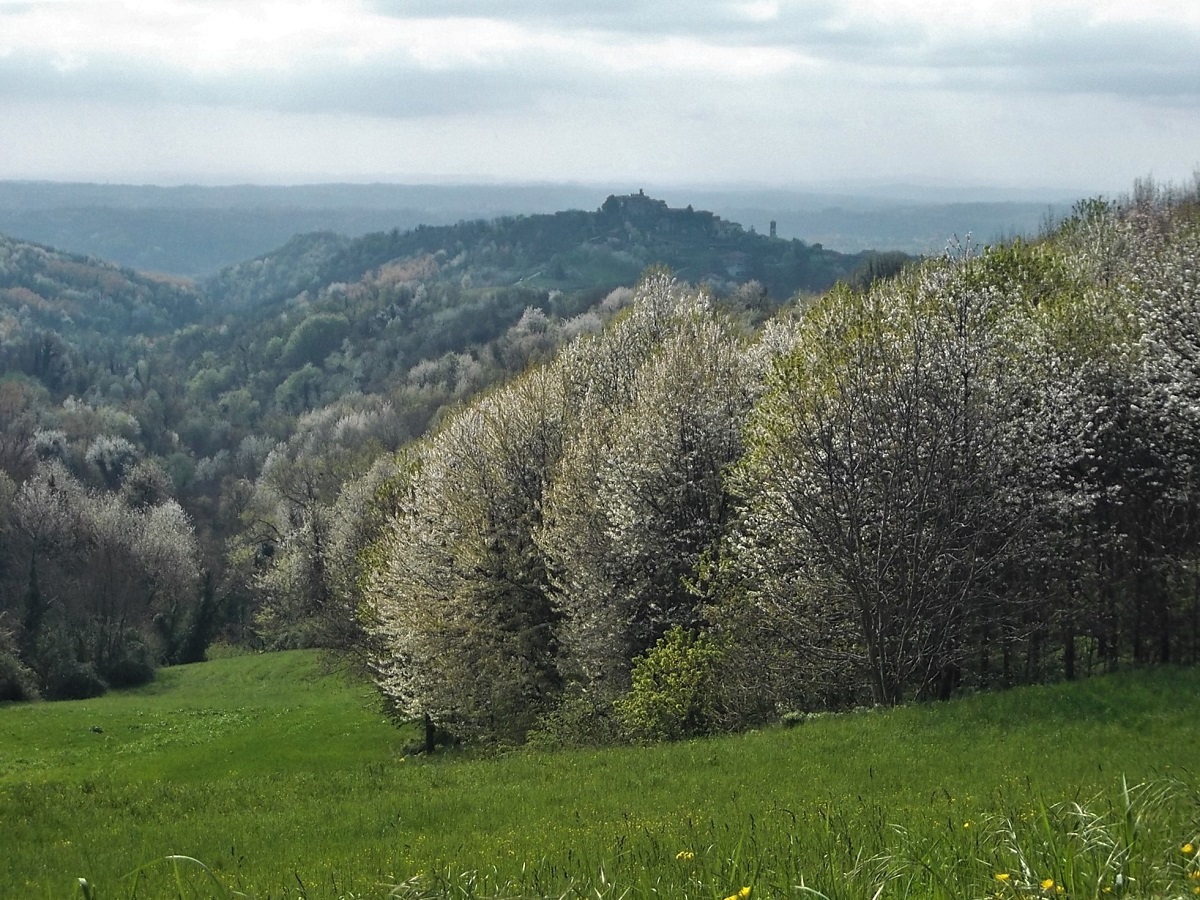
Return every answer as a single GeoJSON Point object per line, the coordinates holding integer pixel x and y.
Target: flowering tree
{"type": "Point", "coordinates": [457, 586]}
{"type": "Point", "coordinates": [880, 496]}
{"type": "Point", "coordinates": [640, 496]}
{"type": "Point", "coordinates": [103, 586]}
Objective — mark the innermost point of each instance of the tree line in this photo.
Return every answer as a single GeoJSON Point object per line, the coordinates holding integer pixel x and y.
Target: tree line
{"type": "Point", "coordinates": [978, 473]}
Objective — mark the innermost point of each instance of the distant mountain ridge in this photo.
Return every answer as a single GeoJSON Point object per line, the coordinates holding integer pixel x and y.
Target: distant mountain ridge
{"type": "Point", "coordinates": [197, 230]}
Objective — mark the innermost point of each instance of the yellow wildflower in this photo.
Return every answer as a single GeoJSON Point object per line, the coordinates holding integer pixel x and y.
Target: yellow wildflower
{"type": "Point", "coordinates": [1047, 884]}
{"type": "Point", "coordinates": [1059, 889]}
{"type": "Point", "coordinates": [685, 855]}
{"type": "Point", "coordinates": [1188, 849]}
{"type": "Point", "coordinates": [744, 893]}
{"type": "Point", "coordinates": [966, 824]}
{"type": "Point", "coordinates": [1196, 889]}
{"type": "Point", "coordinates": [1002, 876]}
{"type": "Point", "coordinates": [1194, 875]}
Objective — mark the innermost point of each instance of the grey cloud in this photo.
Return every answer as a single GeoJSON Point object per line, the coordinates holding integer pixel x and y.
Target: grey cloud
{"type": "Point", "coordinates": [1059, 55]}
{"type": "Point", "coordinates": [809, 24]}
{"type": "Point", "coordinates": [1060, 52]}
{"type": "Point", "coordinates": [1159, 62]}
{"type": "Point", "coordinates": [390, 90]}
{"type": "Point", "coordinates": [665, 16]}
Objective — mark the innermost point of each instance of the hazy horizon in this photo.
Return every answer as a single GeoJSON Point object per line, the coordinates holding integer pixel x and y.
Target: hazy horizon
{"type": "Point", "coordinates": [900, 191]}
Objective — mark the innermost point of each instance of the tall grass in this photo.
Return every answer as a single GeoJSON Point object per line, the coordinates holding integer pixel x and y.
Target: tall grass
{"type": "Point", "coordinates": [287, 783]}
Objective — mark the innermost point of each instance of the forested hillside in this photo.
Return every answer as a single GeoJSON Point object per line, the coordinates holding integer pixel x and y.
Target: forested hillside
{"type": "Point", "coordinates": [531, 501]}
{"type": "Point", "coordinates": [230, 410]}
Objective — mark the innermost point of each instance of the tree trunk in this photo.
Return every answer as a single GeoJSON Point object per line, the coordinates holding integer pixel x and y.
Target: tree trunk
{"type": "Point", "coordinates": [1069, 651]}
{"type": "Point", "coordinates": [430, 734]}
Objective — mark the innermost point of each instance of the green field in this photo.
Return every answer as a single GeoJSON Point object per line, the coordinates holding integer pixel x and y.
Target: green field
{"type": "Point", "coordinates": [287, 782]}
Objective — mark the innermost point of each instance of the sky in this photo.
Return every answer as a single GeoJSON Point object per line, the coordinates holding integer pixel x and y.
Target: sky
{"type": "Point", "coordinates": [1083, 96]}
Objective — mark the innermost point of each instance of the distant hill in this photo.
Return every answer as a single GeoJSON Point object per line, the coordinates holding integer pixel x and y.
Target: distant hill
{"type": "Point", "coordinates": [196, 231]}
{"type": "Point", "coordinates": [567, 251]}
{"type": "Point", "coordinates": [62, 315]}
{"type": "Point", "coordinates": [57, 289]}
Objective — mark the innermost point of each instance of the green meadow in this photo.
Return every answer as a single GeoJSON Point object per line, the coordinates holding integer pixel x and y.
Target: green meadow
{"type": "Point", "coordinates": [275, 779]}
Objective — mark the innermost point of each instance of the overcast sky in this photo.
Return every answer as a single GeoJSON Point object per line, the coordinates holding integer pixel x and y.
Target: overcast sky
{"type": "Point", "coordinates": [1083, 95]}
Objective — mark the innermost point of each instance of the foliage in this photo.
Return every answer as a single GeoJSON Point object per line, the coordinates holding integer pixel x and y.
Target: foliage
{"type": "Point", "coordinates": [460, 593]}
{"type": "Point", "coordinates": [880, 473]}
{"type": "Point", "coordinates": [640, 497]}
{"type": "Point", "coordinates": [68, 678]}
{"type": "Point", "coordinates": [675, 685]}
{"type": "Point", "coordinates": [100, 589]}
{"type": "Point", "coordinates": [340, 350]}
{"type": "Point", "coordinates": [17, 681]}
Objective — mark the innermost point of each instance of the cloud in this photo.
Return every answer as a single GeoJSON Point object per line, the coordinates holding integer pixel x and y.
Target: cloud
{"type": "Point", "coordinates": [385, 90]}
{"type": "Point", "coordinates": [424, 57]}
{"type": "Point", "coordinates": [688, 85]}
{"type": "Point", "coordinates": [750, 24]}
{"type": "Point", "coordinates": [1150, 60]}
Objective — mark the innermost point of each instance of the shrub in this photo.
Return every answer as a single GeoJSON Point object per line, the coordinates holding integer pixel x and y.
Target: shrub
{"type": "Point", "coordinates": [70, 679]}
{"type": "Point", "coordinates": [134, 664]}
{"type": "Point", "coordinates": [577, 721]}
{"type": "Point", "coordinates": [675, 689]}
{"type": "Point", "coordinates": [17, 682]}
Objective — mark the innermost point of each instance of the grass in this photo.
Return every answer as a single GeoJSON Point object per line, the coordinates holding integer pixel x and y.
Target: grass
{"type": "Point", "coordinates": [258, 774]}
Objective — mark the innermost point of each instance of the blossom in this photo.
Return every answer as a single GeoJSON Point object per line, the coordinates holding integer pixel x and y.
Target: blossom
{"type": "Point", "coordinates": [1047, 884]}
{"type": "Point", "coordinates": [1188, 849]}
{"type": "Point", "coordinates": [685, 855]}
{"type": "Point", "coordinates": [1002, 876]}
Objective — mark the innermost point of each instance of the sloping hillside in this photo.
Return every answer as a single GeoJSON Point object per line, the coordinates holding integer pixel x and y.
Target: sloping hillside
{"type": "Point", "coordinates": [287, 784]}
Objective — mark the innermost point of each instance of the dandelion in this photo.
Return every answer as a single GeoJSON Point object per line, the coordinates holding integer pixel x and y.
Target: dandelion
{"type": "Point", "coordinates": [685, 855]}
{"type": "Point", "coordinates": [1196, 889]}
{"type": "Point", "coordinates": [1188, 849]}
{"type": "Point", "coordinates": [1047, 884]}
{"type": "Point", "coordinates": [744, 893]}
{"type": "Point", "coordinates": [1002, 877]}
{"type": "Point", "coordinates": [966, 825]}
